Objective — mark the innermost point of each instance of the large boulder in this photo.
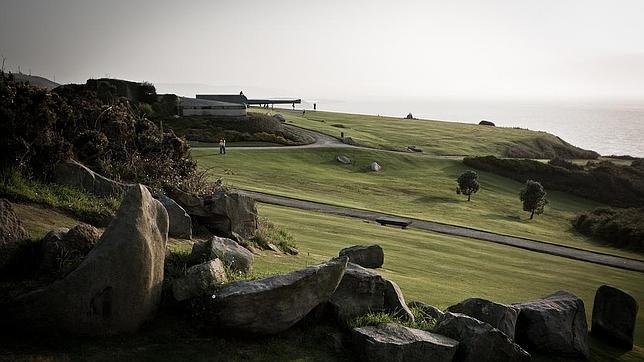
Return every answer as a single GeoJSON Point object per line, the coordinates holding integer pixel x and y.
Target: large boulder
{"type": "Point", "coordinates": [180, 221]}
{"type": "Point", "coordinates": [368, 256]}
{"type": "Point", "coordinates": [614, 316]}
{"type": "Point", "coordinates": [73, 173]}
{"type": "Point", "coordinates": [199, 280]}
{"type": "Point", "coordinates": [361, 291]}
{"type": "Point", "coordinates": [427, 310]}
{"type": "Point", "coordinates": [555, 324]}
{"type": "Point", "coordinates": [274, 304]}
{"type": "Point", "coordinates": [117, 286]}
{"type": "Point", "coordinates": [500, 316]}
{"type": "Point", "coordinates": [63, 248]}
{"type": "Point", "coordinates": [479, 341]}
{"type": "Point", "coordinates": [12, 233]}
{"type": "Point", "coordinates": [395, 302]}
{"type": "Point", "coordinates": [224, 213]}
{"type": "Point", "coordinates": [396, 343]}
{"type": "Point", "coordinates": [233, 255]}
{"type": "Point", "coordinates": [343, 159]}
{"type": "Point", "coordinates": [374, 167]}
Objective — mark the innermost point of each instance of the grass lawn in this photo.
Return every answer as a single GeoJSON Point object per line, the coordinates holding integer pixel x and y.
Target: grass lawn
{"type": "Point", "coordinates": [443, 270]}
{"type": "Point", "coordinates": [434, 137]}
{"type": "Point", "coordinates": [409, 185]}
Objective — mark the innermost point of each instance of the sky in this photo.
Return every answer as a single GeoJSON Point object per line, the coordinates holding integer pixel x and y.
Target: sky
{"type": "Point", "coordinates": [501, 49]}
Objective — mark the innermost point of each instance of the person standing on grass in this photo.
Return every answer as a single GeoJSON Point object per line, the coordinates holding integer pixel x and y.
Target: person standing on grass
{"type": "Point", "coordinates": [222, 146]}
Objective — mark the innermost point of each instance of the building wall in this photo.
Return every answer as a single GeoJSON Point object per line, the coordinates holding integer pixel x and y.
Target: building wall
{"type": "Point", "coordinates": [214, 112]}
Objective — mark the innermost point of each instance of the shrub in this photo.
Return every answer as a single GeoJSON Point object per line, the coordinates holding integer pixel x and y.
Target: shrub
{"type": "Point", "coordinates": [269, 233]}
{"type": "Point", "coordinates": [622, 228]}
{"type": "Point", "coordinates": [533, 197]}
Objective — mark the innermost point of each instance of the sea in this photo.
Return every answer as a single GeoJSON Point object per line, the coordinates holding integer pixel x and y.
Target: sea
{"type": "Point", "coordinates": [610, 128]}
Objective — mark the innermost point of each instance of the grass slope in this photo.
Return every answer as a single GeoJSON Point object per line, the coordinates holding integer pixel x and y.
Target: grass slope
{"type": "Point", "coordinates": [443, 270]}
{"type": "Point", "coordinates": [409, 185]}
{"type": "Point", "coordinates": [434, 137]}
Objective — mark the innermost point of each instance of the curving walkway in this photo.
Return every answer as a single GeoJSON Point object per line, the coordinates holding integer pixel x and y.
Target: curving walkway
{"type": "Point", "coordinates": [523, 243]}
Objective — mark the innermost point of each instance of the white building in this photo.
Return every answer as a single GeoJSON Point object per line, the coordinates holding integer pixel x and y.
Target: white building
{"type": "Point", "coordinates": [202, 107]}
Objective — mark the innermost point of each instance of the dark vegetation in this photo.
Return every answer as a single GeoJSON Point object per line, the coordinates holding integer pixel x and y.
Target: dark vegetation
{"type": "Point", "coordinates": [254, 127]}
{"type": "Point", "coordinates": [103, 124]}
{"type": "Point", "coordinates": [468, 183]}
{"type": "Point", "coordinates": [544, 148]}
{"type": "Point", "coordinates": [619, 227]}
{"type": "Point", "coordinates": [606, 182]}
{"type": "Point", "coordinates": [533, 197]}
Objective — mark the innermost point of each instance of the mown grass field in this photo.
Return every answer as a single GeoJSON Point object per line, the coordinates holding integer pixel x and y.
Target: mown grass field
{"type": "Point", "coordinates": [408, 185]}
{"type": "Point", "coordinates": [434, 137]}
{"type": "Point", "coordinates": [443, 270]}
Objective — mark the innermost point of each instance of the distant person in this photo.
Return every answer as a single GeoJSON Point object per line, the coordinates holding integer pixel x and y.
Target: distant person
{"type": "Point", "coordinates": [222, 147]}
{"type": "Point", "coordinates": [315, 106]}
{"type": "Point", "coordinates": [293, 105]}
{"type": "Point", "coordinates": [303, 112]}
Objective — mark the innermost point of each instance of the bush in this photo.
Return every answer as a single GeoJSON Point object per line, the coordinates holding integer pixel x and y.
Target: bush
{"type": "Point", "coordinates": [623, 228]}
{"type": "Point", "coordinates": [615, 185]}
{"type": "Point", "coordinates": [269, 233]}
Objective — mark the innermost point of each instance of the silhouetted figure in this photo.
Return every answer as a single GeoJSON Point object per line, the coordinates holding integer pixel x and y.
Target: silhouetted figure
{"type": "Point", "coordinates": [303, 111]}
{"type": "Point", "coordinates": [315, 106]}
{"type": "Point", "coordinates": [293, 105]}
{"type": "Point", "coordinates": [222, 146]}
{"type": "Point", "coordinates": [341, 134]}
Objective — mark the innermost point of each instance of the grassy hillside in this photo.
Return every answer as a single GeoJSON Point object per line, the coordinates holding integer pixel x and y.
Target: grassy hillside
{"type": "Point", "coordinates": [443, 270]}
{"type": "Point", "coordinates": [409, 185]}
{"type": "Point", "coordinates": [436, 137]}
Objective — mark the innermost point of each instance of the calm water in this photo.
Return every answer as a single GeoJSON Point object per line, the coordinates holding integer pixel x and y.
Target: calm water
{"type": "Point", "coordinates": [610, 129]}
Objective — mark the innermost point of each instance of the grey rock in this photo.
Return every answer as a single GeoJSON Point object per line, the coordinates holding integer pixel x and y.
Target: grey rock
{"type": "Point", "coordinates": [374, 167]}
{"type": "Point", "coordinates": [394, 302]}
{"type": "Point", "coordinates": [73, 173]}
{"type": "Point", "coordinates": [224, 213]}
{"type": "Point", "coordinates": [272, 305]}
{"type": "Point", "coordinates": [415, 149]}
{"type": "Point", "coordinates": [427, 310]}
{"type": "Point", "coordinates": [500, 316]}
{"type": "Point", "coordinates": [361, 291]}
{"type": "Point", "coordinates": [180, 221]}
{"type": "Point", "coordinates": [555, 324]}
{"type": "Point", "coordinates": [64, 248]}
{"type": "Point", "coordinates": [349, 141]}
{"type": "Point", "coordinates": [279, 117]}
{"type": "Point", "coordinates": [233, 255]}
{"type": "Point", "coordinates": [486, 123]}
{"type": "Point", "coordinates": [368, 256]}
{"type": "Point", "coordinates": [12, 233]}
{"type": "Point", "coordinates": [479, 341]}
{"type": "Point", "coordinates": [343, 159]}
{"type": "Point", "coordinates": [393, 342]}
{"type": "Point", "coordinates": [199, 280]}
{"type": "Point", "coordinates": [117, 286]}
{"type": "Point", "coordinates": [614, 316]}
{"type": "Point", "coordinates": [292, 250]}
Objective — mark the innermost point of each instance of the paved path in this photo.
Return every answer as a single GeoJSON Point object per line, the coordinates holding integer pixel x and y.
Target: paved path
{"type": "Point", "coordinates": [528, 244]}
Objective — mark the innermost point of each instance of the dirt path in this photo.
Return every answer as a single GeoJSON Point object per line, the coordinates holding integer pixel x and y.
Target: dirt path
{"type": "Point", "coordinates": [528, 244]}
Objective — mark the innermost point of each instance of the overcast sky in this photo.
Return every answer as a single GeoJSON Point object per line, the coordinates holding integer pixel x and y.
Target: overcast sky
{"type": "Point", "coordinates": [338, 49]}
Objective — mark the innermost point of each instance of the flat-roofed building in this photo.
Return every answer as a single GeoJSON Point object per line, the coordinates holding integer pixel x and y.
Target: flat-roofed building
{"type": "Point", "coordinates": [203, 107]}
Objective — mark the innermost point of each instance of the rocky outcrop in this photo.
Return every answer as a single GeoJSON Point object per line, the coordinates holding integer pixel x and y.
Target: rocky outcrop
{"type": "Point", "coordinates": [62, 248]}
{"type": "Point", "coordinates": [361, 291]}
{"type": "Point", "coordinates": [73, 173]}
{"type": "Point", "coordinates": [368, 256]}
{"type": "Point", "coordinates": [199, 280]}
{"type": "Point", "coordinates": [479, 341]}
{"type": "Point", "coordinates": [12, 233]}
{"type": "Point", "coordinates": [374, 167]}
{"type": "Point", "coordinates": [233, 255]}
{"type": "Point", "coordinates": [180, 221]}
{"type": "Point", "coordinates": [427, 310]}
{"type": "Point", "coordinates": [393, 342]}
{"type": "Point", "coordinates": [274, 304]}
{"type": "Point", "coordinates": [116, 287]}
{"type": "Point", "coordinates": [555, 324]}
{"type": "Point", "coordinates": [500, 316]}
{"type": "Point", "coordinates": [413, 148]}
{"type": "Point", "coordinates": [225, 213]}
{"type": "Point", "coordinates": [614, 316]}
{"type": "Point", "coordinates": [394, 302]}
{"type": "Point", "coordinates": [343, 159]}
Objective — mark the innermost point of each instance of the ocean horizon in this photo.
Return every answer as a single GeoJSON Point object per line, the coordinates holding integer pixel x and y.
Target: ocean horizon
{"type": "Point", "coordinates": [607, 128]}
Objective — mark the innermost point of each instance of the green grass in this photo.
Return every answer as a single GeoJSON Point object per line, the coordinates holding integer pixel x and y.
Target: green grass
{"type": "Point", "coordinates": [86, 207]}
{"type": "Point", "coordinates": [409, 185]}
{"type": "Point", "coordinates": [433, 137]}
{"type": "Point", "coordinates": [442, 270]}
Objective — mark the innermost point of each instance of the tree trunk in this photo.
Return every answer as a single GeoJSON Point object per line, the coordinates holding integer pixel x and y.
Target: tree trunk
{"type": "Point", "coordinates": [531, 215]}
{"type": "Point", "coordinates": [468, 197]}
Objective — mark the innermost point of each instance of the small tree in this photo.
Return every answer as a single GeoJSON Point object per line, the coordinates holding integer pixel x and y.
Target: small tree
{"type": "Point", "coordinates": [533, 197]}
{"type": "Point", "coordinates": [468, 183]}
